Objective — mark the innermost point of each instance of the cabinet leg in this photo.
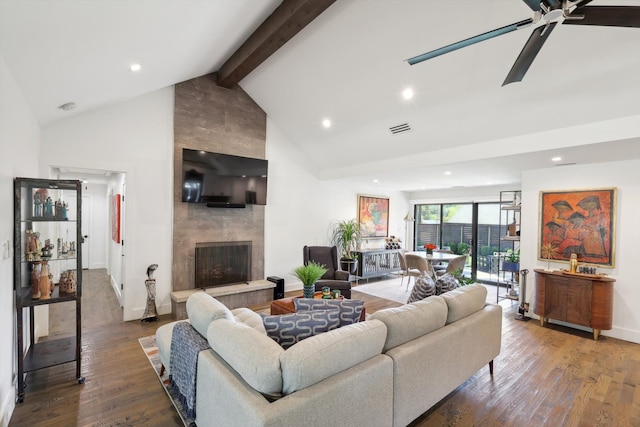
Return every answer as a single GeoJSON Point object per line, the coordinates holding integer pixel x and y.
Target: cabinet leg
{"type": "Point", "coordinates": [596, 334]}
{"type": "Point", "coordinates": [541, 321]}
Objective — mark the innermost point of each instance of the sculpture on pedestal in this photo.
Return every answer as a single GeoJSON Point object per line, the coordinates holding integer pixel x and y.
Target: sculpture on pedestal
{"type": "Point", "coordinates": [150, 312]}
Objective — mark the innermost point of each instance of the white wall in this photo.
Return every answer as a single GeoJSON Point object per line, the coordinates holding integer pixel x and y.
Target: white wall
{"type": "Point", "coordinates": [301, 208]}
{"type": "Point", "coordinates": [19, 146]}
{"type": "Point", "coordinates": [625, 176]}
{"type": "Point", "coordinates": [134, 137]}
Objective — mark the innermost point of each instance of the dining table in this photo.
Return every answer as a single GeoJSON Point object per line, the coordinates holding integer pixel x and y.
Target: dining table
{"type": "Point", "coordinates": [435, 258]}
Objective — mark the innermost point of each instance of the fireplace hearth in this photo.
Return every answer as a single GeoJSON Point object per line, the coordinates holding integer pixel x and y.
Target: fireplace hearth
{"type": "Point", "coordinates": [222, 263]}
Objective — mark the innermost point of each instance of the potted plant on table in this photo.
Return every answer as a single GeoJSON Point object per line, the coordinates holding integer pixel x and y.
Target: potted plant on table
{"type": "Point", "coordinates": [346, 235]}
{"type": "Point", "coordinates": [309, 274]}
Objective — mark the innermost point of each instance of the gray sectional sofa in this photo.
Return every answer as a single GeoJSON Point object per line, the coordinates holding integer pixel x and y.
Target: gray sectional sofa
{"type": "Point", "coordinates": [385, 371]}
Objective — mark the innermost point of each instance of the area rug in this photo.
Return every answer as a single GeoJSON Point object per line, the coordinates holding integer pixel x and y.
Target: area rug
{"type": "Point", "coordinates": [150, 348]}
{"type": "Point", "coordinates": [392, 290]}
{"type": "Point", "coordinates": [387, 289]}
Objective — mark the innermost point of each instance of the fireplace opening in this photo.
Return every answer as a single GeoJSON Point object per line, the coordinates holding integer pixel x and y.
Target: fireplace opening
{"type": "Point", "coordinates": [222, 263]}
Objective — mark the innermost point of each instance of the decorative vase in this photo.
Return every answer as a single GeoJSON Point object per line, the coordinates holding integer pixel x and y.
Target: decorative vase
{"type": "Point", "coordinates": [308, 291]}
{"type": "Point", "coordinates": [45, 282]}
{"type": "Point", "coordinates": [429, 251]}
{"type": "Point", "coordinates": [35, 280]}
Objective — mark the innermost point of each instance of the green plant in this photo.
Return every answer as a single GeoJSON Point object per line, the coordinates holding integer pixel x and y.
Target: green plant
{"type": "Point", "coordinates": [309, 273]}
{"type": "Point", "coordinates": [464, 280]}
{"type": "Point", "coordinates": [346, 235]}
{"type": "Point", "coordinates": [513, 256]}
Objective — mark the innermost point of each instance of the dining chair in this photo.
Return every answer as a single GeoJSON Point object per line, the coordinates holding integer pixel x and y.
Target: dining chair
{"type": "Point", "coordinates": [441, 266]}
{"type": "Point", "coordinates": [454, 265]}
{"type": "Point", "coordinates": [404, 269]}
{"type": "Point", "coordinates": [416, 266]}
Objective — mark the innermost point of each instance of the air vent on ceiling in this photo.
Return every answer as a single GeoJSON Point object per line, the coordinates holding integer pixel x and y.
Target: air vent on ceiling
{"type": "Point", "coordinates": [400, 128]}
{"type": "Point", "coordinates": [565, 164]}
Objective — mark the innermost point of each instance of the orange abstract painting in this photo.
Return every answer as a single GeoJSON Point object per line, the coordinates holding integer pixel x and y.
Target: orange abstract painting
{"type": "Point", "coordinates": [580, 222]}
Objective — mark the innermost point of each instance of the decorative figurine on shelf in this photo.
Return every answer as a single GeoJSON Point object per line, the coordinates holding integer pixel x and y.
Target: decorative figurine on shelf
{"type": "Point", "coordinates": [35, 280]}
{"type": "Point", "coordinates": [48, 208]}
{"type": "Point", "coordinates": [573, 263]}
{"type": "Point", "coordinates": [150, 312]}
{"type": "Point", "coordinates": [67, 284]}
{"type": "Point", "coordinates": [45, 281]}
{"type": "Point", "coordinates": [47, 249]}
{"type": "Point", "coordinates": [37, 205]}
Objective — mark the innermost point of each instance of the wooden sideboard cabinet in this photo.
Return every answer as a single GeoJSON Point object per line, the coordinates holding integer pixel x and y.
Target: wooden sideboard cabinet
{"type": "Point", "coordinates": [377, 263]}
{"type": "Point", "coordinates": [585, 300]}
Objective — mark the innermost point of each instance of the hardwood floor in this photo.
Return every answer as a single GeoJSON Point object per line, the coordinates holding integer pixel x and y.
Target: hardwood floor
{"type": "Point", "coordinates": [544, 376]}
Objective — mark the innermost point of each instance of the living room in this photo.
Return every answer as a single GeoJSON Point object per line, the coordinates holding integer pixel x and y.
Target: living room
{"type": "Point", "coordinates": [136, 137]}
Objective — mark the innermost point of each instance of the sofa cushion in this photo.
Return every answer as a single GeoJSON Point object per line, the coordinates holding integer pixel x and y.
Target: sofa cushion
{"type": "Point", "coordinates": [464, 301]}
{"type": "Point", "coordinates": [446, 283]}
{"type": "Point", "coordinates": [253, 355]}
{"type": "Point", "coordinates": [349, 309]}
{"type": "Point", "coordinates": [203, 309]}
{"type": "Point", "coordinates": [411, 321]}
{"type": "Point", "coordinates": [319, 357]}
{"type": "Point", "coordinates": [249, 318]}
{"type": "Point", "coordinates": [288, 329]}
{"type": "Point", "coordinates": [423, 287]}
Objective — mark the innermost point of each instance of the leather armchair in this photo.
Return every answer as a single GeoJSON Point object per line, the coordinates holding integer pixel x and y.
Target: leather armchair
{"type": "Point", "coordinates": [334, 277]}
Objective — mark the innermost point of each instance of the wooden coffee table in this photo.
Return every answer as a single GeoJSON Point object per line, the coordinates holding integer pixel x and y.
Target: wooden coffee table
{"type": "Point", "coordinates": [286, 305]}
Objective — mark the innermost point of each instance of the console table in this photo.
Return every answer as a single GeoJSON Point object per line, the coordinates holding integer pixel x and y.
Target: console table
{"type": "Point", "coordinates": [581, 299]}
{"type": "Point", "coordinates": [377, 262]}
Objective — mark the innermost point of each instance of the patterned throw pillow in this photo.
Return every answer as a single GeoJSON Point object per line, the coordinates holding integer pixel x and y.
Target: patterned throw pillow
{"type": "Point", "coordinates": [288, 329]}
{"type": "Point", "coordinates": [424, 287]}
{"type": "Point", "coordinates": [350, 309]}
{"type": "Point", "coordinates": [446, 283]}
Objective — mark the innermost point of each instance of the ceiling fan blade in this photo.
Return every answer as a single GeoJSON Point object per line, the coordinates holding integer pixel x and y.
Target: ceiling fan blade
{"type": "Point", "coordinates": [533, 4]}
{"type": "Point", "coordinates": [471, 40]}
{"type": "Point", "coordinates": [606, 16]}
{"type": "Point", "coordinates": [529, 53]}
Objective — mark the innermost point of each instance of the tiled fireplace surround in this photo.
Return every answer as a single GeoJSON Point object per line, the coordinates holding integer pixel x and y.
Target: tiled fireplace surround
{"type": "Point", "coordinates": [211, 118]}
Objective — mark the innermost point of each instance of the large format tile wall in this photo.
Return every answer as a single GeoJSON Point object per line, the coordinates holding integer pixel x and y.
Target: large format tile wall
{"type": "Point", "coordinates": [211, 118]}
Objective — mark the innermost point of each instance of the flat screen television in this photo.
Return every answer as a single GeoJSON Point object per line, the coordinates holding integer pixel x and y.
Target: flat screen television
{"type": "Point", "coordinates": [223, 180]}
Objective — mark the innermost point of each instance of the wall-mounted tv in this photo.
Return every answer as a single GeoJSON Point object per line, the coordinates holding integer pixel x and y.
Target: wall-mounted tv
{"type": "Point", "coordinates": [223, 180]}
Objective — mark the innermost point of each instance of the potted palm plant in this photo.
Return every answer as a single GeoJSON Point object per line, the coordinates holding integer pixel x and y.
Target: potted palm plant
{"type": "Point", "coordinates": [309, 274]}
{"type": "Point", "coordinates": [346, 235]}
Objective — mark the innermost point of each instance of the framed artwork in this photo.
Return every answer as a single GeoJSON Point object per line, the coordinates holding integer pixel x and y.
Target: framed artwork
{"type": "Point", "coordinates": [373, 216]}
{"type": "Point", "coordinates": [115, 218]}
{"type": "Point", "coordinates": [580, 222]}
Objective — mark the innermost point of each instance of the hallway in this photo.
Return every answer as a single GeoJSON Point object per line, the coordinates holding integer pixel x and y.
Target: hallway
{"type": "Point", "coordinates": [100, 306]}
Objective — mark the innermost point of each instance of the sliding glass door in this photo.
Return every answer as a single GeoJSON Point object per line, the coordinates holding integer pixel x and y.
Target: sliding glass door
{"type": "Point", "coordinates": [469, 229]}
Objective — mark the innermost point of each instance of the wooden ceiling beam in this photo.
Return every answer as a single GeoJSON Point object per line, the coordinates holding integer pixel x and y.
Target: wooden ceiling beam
{"type": "Point", "coordinates": [281, 26]}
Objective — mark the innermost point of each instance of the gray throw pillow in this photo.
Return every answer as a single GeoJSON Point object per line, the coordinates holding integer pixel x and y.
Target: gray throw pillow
{"type": "Point", "coordinates": [288, 329]}
{"type": "Point", "coordinates": [424, 287]}
{"type": "Point", "coordinates": [446, 283]}
{"type": "Point", "coordinates": [350, 309]}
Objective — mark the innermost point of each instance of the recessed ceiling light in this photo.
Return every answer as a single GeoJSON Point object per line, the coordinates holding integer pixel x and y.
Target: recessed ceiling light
{"type": "Point", "coordinates": [556, 159]}
{"type": "Point", "coordinates": [375, 181]}
{"type": "Point", "coordinates": [135, 67]}
{"type": "Point", "coordinates": [326, 123]}
{"type": "Point", "coordinates": [447, 173]}
{"type": "Point", "coordinates": [68, 106]}
{"type": "Point", "coordinates": [407, 93]}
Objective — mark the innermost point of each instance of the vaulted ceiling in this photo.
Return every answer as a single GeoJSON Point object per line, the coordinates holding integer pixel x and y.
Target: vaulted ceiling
{"type": "Point", "coordinates": [579, 100]}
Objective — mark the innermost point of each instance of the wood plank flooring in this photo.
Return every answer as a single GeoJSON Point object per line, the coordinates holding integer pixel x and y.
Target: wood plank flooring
{"type": "Point", "coordinates": [544, 376]}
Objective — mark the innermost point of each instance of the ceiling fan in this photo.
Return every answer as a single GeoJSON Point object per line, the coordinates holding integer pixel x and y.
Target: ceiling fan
{"type": "Point", "coordinates": [551, 12]}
